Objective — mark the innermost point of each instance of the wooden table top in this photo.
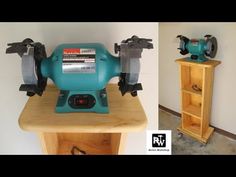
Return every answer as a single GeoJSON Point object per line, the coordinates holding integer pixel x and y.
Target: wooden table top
{"type": "Point", "coordinates": [126, 115]}
{"type": "Point", "coordinates": [208, 63]}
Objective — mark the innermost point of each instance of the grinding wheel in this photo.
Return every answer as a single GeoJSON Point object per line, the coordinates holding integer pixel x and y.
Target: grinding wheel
{"type": "Point", "coordinates": [183, 41]}
{"type": "Point", "coordinates": [32, 53]}
{"type": "Point", "coordinates": [28, 67]}
{"type": "Point", "coordinates": [211, 46]}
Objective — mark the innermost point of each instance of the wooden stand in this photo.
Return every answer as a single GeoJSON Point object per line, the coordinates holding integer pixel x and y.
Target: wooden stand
{"type": "Point", "coordinates": [90, 132]}
{"type": "Point", "coordinates": [196, 101]}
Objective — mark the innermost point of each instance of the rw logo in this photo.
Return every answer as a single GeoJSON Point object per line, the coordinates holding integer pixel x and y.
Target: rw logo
{"type": "Point", "coordinates": [159, 140]}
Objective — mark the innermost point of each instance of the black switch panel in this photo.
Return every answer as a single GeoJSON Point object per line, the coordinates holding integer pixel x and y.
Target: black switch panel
{"type": "Point", "coordinates": [82, 101]}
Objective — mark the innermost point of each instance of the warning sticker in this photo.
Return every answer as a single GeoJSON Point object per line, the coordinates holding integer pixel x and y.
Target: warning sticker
{"type": "Point", "coordinates": [79, 60]}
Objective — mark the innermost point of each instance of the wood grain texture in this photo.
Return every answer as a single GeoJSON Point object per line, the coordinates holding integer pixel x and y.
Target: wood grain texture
{"type": "Point", "coordinates": [196, 76]}
{"type": "Point", "coordinates": [126, 115]}
{"type": "Point", "coordinates": [207, 95]}
{"type": "Point", "coordinates": [185, 79]}
{"type": "Point", "coordinates": [118, 141]}
{"type": "Point", "coordinates": [49, 142]}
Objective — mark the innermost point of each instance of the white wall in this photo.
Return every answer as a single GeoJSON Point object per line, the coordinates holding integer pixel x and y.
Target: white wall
{"type": "Point", "coordinates": [16, 141]}
{"type": "Point", "coordinates": [224, 95]}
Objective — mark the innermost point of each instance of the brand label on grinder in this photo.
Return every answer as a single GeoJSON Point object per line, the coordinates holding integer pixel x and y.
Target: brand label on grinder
{"type": "Point", "coordinates": [79, 60]}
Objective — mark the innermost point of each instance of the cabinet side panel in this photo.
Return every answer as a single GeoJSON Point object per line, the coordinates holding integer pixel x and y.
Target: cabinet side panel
{"type": "Point", "coordinates": [184, 72]}
{"type": "Point", "coordinates": [118, 141]}
{"type": "Point", "coordinates": [49, 142]}
{"type": "Point", "coordinates": [207, 98]}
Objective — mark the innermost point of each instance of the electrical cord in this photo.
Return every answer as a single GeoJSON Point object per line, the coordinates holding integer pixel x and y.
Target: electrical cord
{"type": "Point", "coordinates": [80, 152]}
{"type": "Point", "coordinates": [196, 88]}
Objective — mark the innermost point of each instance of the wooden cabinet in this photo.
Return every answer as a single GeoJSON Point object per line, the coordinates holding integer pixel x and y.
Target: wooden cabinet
{"type": "Point", "coordinates": [196, 96]}
{"type": "Point", "coordinates": [92, 133]}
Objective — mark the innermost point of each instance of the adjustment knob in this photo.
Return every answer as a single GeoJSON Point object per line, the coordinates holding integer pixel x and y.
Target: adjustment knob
{"type": "Point", "coordinates": [116, 48]}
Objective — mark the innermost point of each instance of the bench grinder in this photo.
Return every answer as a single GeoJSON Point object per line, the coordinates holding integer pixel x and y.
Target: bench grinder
{"type": "Point", "coordinates": [81, 71]}
{"type": "Point", "coordinates": [198, 48]}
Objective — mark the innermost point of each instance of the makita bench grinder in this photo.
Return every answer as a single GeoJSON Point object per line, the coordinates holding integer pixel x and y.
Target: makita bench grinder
{"type": "Point", "coordinates": [199, 48]}
{"type": "Point", "coordinates": [81, 71]}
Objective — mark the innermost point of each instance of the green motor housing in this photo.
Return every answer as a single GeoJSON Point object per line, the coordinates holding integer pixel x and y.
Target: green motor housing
{"type": "Point", "coordinates": [81, 72]}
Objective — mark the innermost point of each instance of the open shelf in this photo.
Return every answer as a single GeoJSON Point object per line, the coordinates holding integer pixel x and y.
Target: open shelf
{"type": "Point", "coordinates": [190, 76]}
{"type": "Point", "coordinates": [191, 124]}
{"type": "Point", "coordinates": [193, 111]}
{"type": "Point", "coordinates": [90, 143]}
{"type": "Point", "coordinates": [190, 90]}
{"type": "Point", "coordinates": [65, 148]}
{"type": "Point", "coordinates": [191, 104]}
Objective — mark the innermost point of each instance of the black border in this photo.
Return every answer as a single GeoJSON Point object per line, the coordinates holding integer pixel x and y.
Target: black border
{"type": "Point", "coordinates": [118, 11]}
{"type": "Point", "coordinates": [112, 165]}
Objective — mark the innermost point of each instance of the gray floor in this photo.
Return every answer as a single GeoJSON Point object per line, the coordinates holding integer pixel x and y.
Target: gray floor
{"type": "Point", "coordinates": [218, 144]}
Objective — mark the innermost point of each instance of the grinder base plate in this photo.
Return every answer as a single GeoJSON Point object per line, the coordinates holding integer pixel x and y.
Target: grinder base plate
{"type": "Point", "coordinates": [82, 101]}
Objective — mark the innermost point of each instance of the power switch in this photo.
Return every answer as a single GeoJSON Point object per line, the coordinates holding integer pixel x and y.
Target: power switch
{"type": "Point", "coordinates": [82, 101]}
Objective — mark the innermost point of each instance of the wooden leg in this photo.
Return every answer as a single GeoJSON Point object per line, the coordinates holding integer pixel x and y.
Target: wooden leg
{"type": "Point", "coordinates": [49, 142]}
